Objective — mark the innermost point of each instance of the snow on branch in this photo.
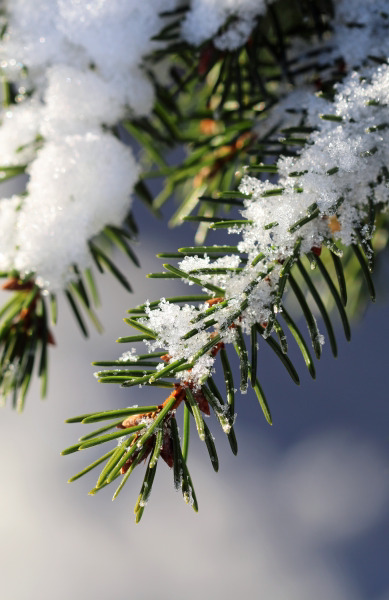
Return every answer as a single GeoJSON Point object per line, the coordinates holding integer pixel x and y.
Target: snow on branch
{"type": "Point", "coordinates": [206, 18]}
{"type": "Point", "coordinates": [326, 194]}
{"type": "Point", "coordinates": [78, 71]}
{"type": "Point", "coordinates": [322, 196]}
{"type": "Point", "coordinates": [79, 68]}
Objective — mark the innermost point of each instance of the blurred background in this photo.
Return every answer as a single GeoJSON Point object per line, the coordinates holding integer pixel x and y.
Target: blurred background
{"type": "Point", "coordinates": [301, 513]}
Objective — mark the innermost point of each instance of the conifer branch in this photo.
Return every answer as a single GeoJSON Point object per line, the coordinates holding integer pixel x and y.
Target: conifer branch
{"type": "Point", "coordinates": [250, 298]}
{"type": "Point", "coordinates": [281, 109]}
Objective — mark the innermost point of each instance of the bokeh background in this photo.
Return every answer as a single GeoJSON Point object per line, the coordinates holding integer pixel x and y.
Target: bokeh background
{"type": "Point", "coordinates": [301, 513]}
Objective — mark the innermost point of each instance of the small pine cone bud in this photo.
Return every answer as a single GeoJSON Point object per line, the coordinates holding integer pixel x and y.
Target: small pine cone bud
{"type": "Point", "coordinates": [334, 224]}
{"type": "Point", "coordinates": [126, 465]}
{"type": "Point", "coordinates": [202, 402]}
{"type": "Point", "coordinates": [243, 139]}
{"type": "Point", "coordinates": [129, 462]}
{"type": "Point", "coordinates": [201, 176]}
{"type": "Point", "coordinates": [341, 66]}
{"type": "Point", "coordinates": [208, 126]}
{"type": "Point", "coordinates": [15, 284]}
{"type": "Point", "coordinates": [318, 83]}
{"type": "Point", "coordinates": [213, 301]}
{"type": "Point", "coordinates": [24, 313]}
{"type": "Point", "coordinates": [131, 421]}
{"type": "Point", "coordinates": [217, 348]}
{"type": "Point", "coordinates": [50, 338]}
{"type": "Point", "coordinates": [316, 250]}
{"type": "Point", "coordinates": [206, 58]}
{"type": "Point", "coordinates": [167, 453]}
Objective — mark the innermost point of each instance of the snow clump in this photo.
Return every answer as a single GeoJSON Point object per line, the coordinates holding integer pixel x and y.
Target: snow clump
{"type": "Point", "coordinates": [78, 70]}
{"type": "Point", "coordinates": [206, 17]}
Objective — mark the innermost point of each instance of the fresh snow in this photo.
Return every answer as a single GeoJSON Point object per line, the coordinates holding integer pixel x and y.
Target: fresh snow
{"type": "Point", "coordinates": [79, 69]}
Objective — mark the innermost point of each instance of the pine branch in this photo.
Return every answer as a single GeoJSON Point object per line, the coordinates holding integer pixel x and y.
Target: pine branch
{"type": "Point", "coordinates": [249, 299]}
{"type": "Point", "coordinates": [215, 110]}
{"type": "Point", "coordinates": [200, 395]}
{"type": "Point", "coordinates": [298, 177]}
{"type": "Point", "coordinates": [25, 335]}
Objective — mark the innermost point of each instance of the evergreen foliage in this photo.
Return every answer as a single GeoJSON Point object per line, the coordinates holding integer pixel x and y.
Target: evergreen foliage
{"type": "Point", "coordinates": [279, 109]}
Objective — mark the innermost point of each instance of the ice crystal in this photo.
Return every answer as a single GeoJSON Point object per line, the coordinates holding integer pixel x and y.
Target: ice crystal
{"type": "Point", "coordinates": [129, 356]}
